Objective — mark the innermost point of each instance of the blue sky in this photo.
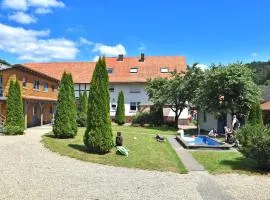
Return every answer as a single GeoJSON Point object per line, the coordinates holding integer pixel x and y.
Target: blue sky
{"type": "Point", "coordinates": [206, 31]}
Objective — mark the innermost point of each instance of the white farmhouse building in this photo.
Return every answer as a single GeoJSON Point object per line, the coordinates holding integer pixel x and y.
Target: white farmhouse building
{"type": "Point", "coordinates": [127, 74]}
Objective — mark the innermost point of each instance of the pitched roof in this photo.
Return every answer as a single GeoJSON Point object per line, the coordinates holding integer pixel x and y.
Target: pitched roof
{"type": "Point", "coordinates": [82, 71]}
{"type": "Point", "coordinates": [265, 105]}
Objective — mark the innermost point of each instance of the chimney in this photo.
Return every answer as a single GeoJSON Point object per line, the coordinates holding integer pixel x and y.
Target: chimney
{"type": "Point", "coordinates": [141, 58]}
{"type": "Point", "coordinates": [120, 57]}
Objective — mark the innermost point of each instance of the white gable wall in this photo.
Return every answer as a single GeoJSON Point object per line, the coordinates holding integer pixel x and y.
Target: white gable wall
{"type": "Point", "coordinates": [133, 92]}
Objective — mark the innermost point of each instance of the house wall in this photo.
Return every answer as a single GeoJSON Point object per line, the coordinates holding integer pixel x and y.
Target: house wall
{"type": "Point", "coordinates": [211, 122]}
{"type": "Point", "coordinates": [14, 73]}
{"type": "Point", "coordinates": [133, 92]}
{"type": "Point", "coordinates": [33, 99]}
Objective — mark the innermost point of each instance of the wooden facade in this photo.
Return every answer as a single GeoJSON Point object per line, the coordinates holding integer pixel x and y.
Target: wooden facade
{"type": "Point", "coordinates": [39, 94]}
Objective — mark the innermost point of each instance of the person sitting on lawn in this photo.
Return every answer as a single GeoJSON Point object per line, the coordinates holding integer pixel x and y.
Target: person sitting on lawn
{"type": "Point", "coordinates": [119, 139]}
{"type": "Point", "coordinates": [213, 133]}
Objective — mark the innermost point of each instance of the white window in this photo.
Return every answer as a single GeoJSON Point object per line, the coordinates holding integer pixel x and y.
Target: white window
{"type": "Point", "coordinates": [133, 70]}
{"type": "Point", "coordinates": [45, 87]}
{"type": "Point", "coordinates": [110, 70]}
{"type": "Point", "coordinates": [164, 70]}
{"type": "Point", "coordinates": [36, 85]}
{"type": "Point", "coordinates": [24, 82]}
{"type": "Point", "coordinates": [113, 106]}
{"type": "Point", "coordinates": [134, 106]}
{"type": "Point", "coordinates": [111, 89]}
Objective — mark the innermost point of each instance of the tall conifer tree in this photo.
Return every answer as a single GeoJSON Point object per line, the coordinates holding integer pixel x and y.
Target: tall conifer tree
{"type": "Point", "coordinates": [15, 115]}
{"type": "Point", "coordinates": [120, 111]}
{"type": "Point", "coordinates": [98, 136]}
{"type": "Point", "coordinates": [65, 117]}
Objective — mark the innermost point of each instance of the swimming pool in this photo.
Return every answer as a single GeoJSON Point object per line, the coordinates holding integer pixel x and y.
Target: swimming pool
{"type": "Point", "coordinates": [201, 142]}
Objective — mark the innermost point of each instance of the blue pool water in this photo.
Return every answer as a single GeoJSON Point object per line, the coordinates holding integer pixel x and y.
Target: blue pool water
{"type": "Point", "coordinates": [204, 140]}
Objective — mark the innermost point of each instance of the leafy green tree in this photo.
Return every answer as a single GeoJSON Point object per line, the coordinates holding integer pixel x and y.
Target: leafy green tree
{"type": "Point", "coordinates": [227, 89]}
{"type": "Point", "coordinates": [120, 111]}
{"type": "Point", "coordinates": [65, 117]}
{"type": "Point", "coordinates": [98, 136]}
{"type": "Point", "coordinates": [82, 110]}
{"type": "Point", "coordinates": [169, 91]}
{"type": "Point", "coordinates": [15, 115]}
{"type": "Point", "coordinates": [255, 114]}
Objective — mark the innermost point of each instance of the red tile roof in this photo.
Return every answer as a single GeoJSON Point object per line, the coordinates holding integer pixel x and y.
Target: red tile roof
{"type": "Point", "coordinates": [82, 71]}
{"type": "Point", "coordinates": [265, 105]}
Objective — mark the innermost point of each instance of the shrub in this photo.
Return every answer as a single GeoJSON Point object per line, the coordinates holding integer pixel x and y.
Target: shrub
{"type": "Point", "coordinates": [120, 111]}
{"type": "Point", "coordinates": [82, 119]}
{"type": "Point", "coordinates": [255, 143]}
{"type": "Point", "coordinates": [65, 118]}
{"type": "Point", "coordinates": [156, 115]}
{"type": "Point", "coordinates": [255, 114]}
{"type": "Point", "coordinates": [142, 118]}
{"type": "Point", "coordinates": [98, 137]}
{"type": "Point", "coordinates": [15, 116]}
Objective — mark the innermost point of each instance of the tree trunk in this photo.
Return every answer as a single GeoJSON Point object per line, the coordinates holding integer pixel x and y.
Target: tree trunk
{"type": "Point", "coordinates": [176, 120]}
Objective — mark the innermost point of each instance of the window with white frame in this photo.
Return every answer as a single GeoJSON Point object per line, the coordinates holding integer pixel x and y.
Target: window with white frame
{"type": "Point", "coordinates": [113, 106]}
{"type": "Point", "coordinates": [45, 87]}
{"type": "Point", "coordinates": [111, 89]}
{"type": "Point", "coordinates": [164, 70]}
{"type": "Point", "coordinates": [110, 70]}
{"type": "Point", "coordinates": [134, 106]}
{"type": "Point", "coordinates": [36, 85]}
{"type": "Point", "coordinates": [24, 82]}
{"type": "Point", "coordinates": [133, 70]}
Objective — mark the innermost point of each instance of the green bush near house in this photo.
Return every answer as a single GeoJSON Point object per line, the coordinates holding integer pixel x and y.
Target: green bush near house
{"type": "Point", "coordinates": [156, 114]}
{"type": "Point", "coordinates": [82, 110]}
{"type": "Point", "coordinates": [65, 117]}
{"type": "Point", "coordinates": [154, 117]}
{"type": "Point", "coordinates": [255, 114]}
{"type": "Point", "coordinates": [142, 118]}
{"type": "Point", "coordinates": [120, 111]}
{"type": "Point", "coordinates": [255, 144]}
{"type": "Point", "coordinates": [15, 115]}
{"type": "Point", "coordinates": [98, 137]}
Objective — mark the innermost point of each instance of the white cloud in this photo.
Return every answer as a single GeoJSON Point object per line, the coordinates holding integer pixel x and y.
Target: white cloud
{"type": "Point", "coordinates": [23, 5]}
{"type": "Point", "coordinates": [15, 4]}
{"type": "Point", "coordinates": [22, 18]}
{"type": "Point", "coordinates": [142, 47]}
{"type": "Point", "coordinates": [95, 59]}
{"type": "Point", "coordinates": [43, 11]}
{"type": "Point", "coordinates": [109, 50]}
{"type": "Point", "coordinates": [202, 66]}
{"type": "Point", "coordinates": [32, 45]}
{"type": "Point", "coordinates": [45, 3]}
{"type": "Point", "coordinates": [254, 55]}
{"type": "Point", "coordinates": [84, 41]}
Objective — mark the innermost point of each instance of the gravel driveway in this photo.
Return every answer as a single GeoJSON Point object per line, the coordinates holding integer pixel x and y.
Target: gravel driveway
{"type": "Point", "coordinates": [30, 171]}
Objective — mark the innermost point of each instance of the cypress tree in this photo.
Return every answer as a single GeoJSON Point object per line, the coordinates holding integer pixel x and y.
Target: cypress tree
{"type": "Point", "coordinates": [120, 111]}
{"type": "Point", "coordinates": [255, 114]}
{"type": "Point", "coordinates": [82, 110]}
{"type": "Point", "coordinates": [98, 136]}
{"type": "Point", "coordinates": [15, 115]}
{"type": "Point", "coordinates": [65, 116]}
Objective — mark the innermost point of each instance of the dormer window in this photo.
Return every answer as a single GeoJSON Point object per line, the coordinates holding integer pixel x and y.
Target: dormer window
{"type": "Point", "coordinates": [110, 70]}
{"type": "Point", "coordinates": [164, 70]}
{"type": "Point", "coordinates": [133, 70]}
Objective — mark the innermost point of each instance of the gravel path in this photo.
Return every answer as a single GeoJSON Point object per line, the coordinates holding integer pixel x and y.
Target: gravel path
{"type": "Point", "coordinates": [30, 171]}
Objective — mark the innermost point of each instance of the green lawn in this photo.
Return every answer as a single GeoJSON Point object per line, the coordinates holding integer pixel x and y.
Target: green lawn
{"type": "Point", "coordinates": [145, 152]}
{"type": "Point", "coordinates": [225, 162]}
